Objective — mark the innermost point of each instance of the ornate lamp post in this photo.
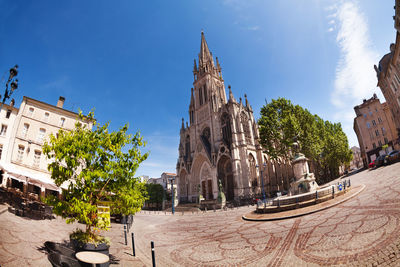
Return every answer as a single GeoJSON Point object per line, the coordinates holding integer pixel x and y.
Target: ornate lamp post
{"type": "Point", "coordinates": [262, 181]}
{"type": "Point", "coordinates": [172, 179]}
{"type": "Point", "coordinates": [13, 83]}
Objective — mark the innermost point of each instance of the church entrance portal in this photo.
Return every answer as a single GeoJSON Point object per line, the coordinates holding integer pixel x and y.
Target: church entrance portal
{"type": "Point", "coordinates": [226, 176]}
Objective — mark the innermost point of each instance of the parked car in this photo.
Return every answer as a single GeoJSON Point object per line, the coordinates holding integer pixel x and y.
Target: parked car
{"type": "Point", "coordinates": [372, 164]}
{"type": "Point", "coordinates": [380, 161]}
{"type": "Point", "coordinates": [393, 156]}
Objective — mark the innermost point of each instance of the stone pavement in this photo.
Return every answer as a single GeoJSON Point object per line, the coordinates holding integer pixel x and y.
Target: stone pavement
{"type": "Point", "coordinates": [363, 231]}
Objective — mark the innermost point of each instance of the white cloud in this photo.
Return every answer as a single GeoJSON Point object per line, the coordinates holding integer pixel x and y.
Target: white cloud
{"type": "Point", "coordinates": [355, 75]}
{"type": "Point", "coordinates": [330, 29]}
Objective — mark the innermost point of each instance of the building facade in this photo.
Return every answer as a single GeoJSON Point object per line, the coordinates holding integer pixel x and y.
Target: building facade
{"type": "Point", "coordinates": [375, 127]}
{"type": "Point", "coordinates": [357, 161]}
{"type": "Point", "coordinates": [221, 141]}
{"type": "Point", "coordinates": [23, 163]}
{"type": "Point", "coordinates": [388, 74]}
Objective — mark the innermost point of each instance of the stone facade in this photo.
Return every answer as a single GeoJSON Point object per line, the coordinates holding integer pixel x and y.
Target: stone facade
{"type": "Point", "coordinates": [221, 142]}
{"type": "Point", "coordinates": [388, 74]}
{"type": "Point", "coordinates": [23, 164]}
{"type": "Point", "coordinates": [374, 127]}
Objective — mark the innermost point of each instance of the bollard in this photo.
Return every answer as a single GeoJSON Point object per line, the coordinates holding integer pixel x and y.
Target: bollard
{"type": "Point", "coordinates": [153, 256]}
{"type": "Point", "coordinates": [297, 200]}
{"type": "Point", "coordinates": [333, 191]}
{"type": "Point", "coordinates": [205, 209]}
{"type": "Point", "coordinates": [279, 203]}
{"type": "Point", "coordinates": [316, 194]}
{"type": "Point", "coordinates": [126, 240]}
{"type": "Point", "coordinates": [344, 185]}
{"type": "Point", "coordinates": [133, 246]}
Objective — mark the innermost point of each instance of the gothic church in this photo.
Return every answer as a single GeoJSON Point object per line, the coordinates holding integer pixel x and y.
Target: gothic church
{"type": "Point", "coordinates": [221, 142]}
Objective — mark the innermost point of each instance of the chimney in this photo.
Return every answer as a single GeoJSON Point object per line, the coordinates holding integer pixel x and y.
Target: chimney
{"type": "Point", "coordinates": [60, 102]}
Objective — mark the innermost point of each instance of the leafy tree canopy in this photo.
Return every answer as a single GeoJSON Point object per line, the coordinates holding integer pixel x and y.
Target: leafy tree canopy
{"type": "Point", "coordinates": [323, 142]}
{"type": "Point", "coordinates": [98, 165]}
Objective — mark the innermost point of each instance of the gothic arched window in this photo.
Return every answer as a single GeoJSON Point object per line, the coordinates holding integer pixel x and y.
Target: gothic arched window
{"type": "Point", "coordinates": [206, 139]}
{"type": "Point", "coordinates": [246, 128]}
{"type": "Point", "coordinates": [253, 172]}
{"type": "Point", "coordinates": [226, 129]}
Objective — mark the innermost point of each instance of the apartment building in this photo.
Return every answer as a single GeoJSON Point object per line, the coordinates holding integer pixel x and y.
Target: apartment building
{"type": "Point", "coordinates": [23, 163]}
{"type": "Point", "coordinates": [375, 127]}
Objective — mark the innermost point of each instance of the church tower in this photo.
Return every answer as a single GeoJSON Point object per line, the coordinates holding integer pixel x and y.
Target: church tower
{"type": "Point", "coordinates": [221, 141]}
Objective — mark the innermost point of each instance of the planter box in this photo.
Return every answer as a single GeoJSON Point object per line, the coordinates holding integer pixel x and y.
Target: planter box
{"type": "Point", "coordinates": [101, 248]}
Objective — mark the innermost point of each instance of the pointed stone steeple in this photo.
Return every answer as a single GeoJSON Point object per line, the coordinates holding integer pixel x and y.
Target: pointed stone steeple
{"type": "Point", "coordinates": [231, 97]}
{"type": "Point", "coordinates": [183, 124]}
{"type": "Point", "coordinates": [206, 61]}
{"type": "Point", "coordinates": [205, 54]}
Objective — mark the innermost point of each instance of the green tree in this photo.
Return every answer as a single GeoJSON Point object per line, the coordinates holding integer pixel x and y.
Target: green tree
{"type": "Point", "coordinates": [156, 193]}
{"type": "Point", "coordinates": [323, 142]}
{"type": "Point", "coordinates": [98, 165]}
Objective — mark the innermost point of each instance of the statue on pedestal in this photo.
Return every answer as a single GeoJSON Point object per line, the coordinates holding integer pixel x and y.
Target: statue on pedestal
{"type": "Point", "coordinates": [304, 181]}
{"type": "Point", "coordinates": [221, 196]}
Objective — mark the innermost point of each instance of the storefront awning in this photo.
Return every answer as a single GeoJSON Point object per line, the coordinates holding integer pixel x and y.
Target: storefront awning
{"type": "Point", "coordinates": [33, 181]}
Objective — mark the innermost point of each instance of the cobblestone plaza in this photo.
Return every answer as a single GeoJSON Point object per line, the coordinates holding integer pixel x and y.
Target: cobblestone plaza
{"type": "Point", "coordinates": [363, 231]}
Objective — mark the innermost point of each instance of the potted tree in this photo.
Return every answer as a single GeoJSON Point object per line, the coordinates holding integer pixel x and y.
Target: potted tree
{"type": "Point", "coordinates": [98, 166]}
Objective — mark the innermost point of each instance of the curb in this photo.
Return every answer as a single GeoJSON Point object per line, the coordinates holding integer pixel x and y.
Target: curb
{"type": "Point", "coordinates": [3, 210]}
{"type": "Point", "coordinates": [302, 214]}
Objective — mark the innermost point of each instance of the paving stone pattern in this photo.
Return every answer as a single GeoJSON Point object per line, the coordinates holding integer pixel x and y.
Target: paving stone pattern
{"type": "Point", "coordinates": [363, 231]}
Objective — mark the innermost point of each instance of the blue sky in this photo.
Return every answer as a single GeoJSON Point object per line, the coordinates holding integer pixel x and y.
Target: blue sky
{"type": "Point", "coordinates": [132, 60]}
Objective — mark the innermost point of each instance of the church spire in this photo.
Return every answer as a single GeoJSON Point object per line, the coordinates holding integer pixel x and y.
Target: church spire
{"type": "Point", "coordinates": [206, 61]}
{"type": "Point", "coordinates": [205, 54]}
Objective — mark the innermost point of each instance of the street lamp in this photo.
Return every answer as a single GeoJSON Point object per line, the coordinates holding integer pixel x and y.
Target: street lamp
{"type": "Point", "coordinates": [172, 179]}
{"type": "Point", "coordinates": [13, 83]}
{"type": "Point", "coordinates": [262, 181]}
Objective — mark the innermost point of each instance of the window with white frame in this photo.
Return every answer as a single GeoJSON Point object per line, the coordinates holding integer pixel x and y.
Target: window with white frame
{"type": "Point", "coordinates": [3, 130]}
{"type": "Point", "coordinates": [41, 134]}
{"type": "Point", "coordinates": [383, 131]}
{"type": "Point", "coordinates": [20, 154]}
{"type": "Point", "coordinates": [46, 117]}
{"type": "Point", "coordinates": [62, 122]}
{"type": "Point", "coordinates": [30, 112]}
{"type": "Point", "coordinates": [25, 130]}
{"type": "Point", "coordinates": [379, 120]}
{"type": "Point", "coordinates": [368, 125]}
{"type": "Point", "coordinates": [36, 158]}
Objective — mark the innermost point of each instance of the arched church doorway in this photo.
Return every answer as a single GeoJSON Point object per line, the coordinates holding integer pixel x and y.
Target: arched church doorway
{"type": "Point", "coordinates": [226, 176]}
